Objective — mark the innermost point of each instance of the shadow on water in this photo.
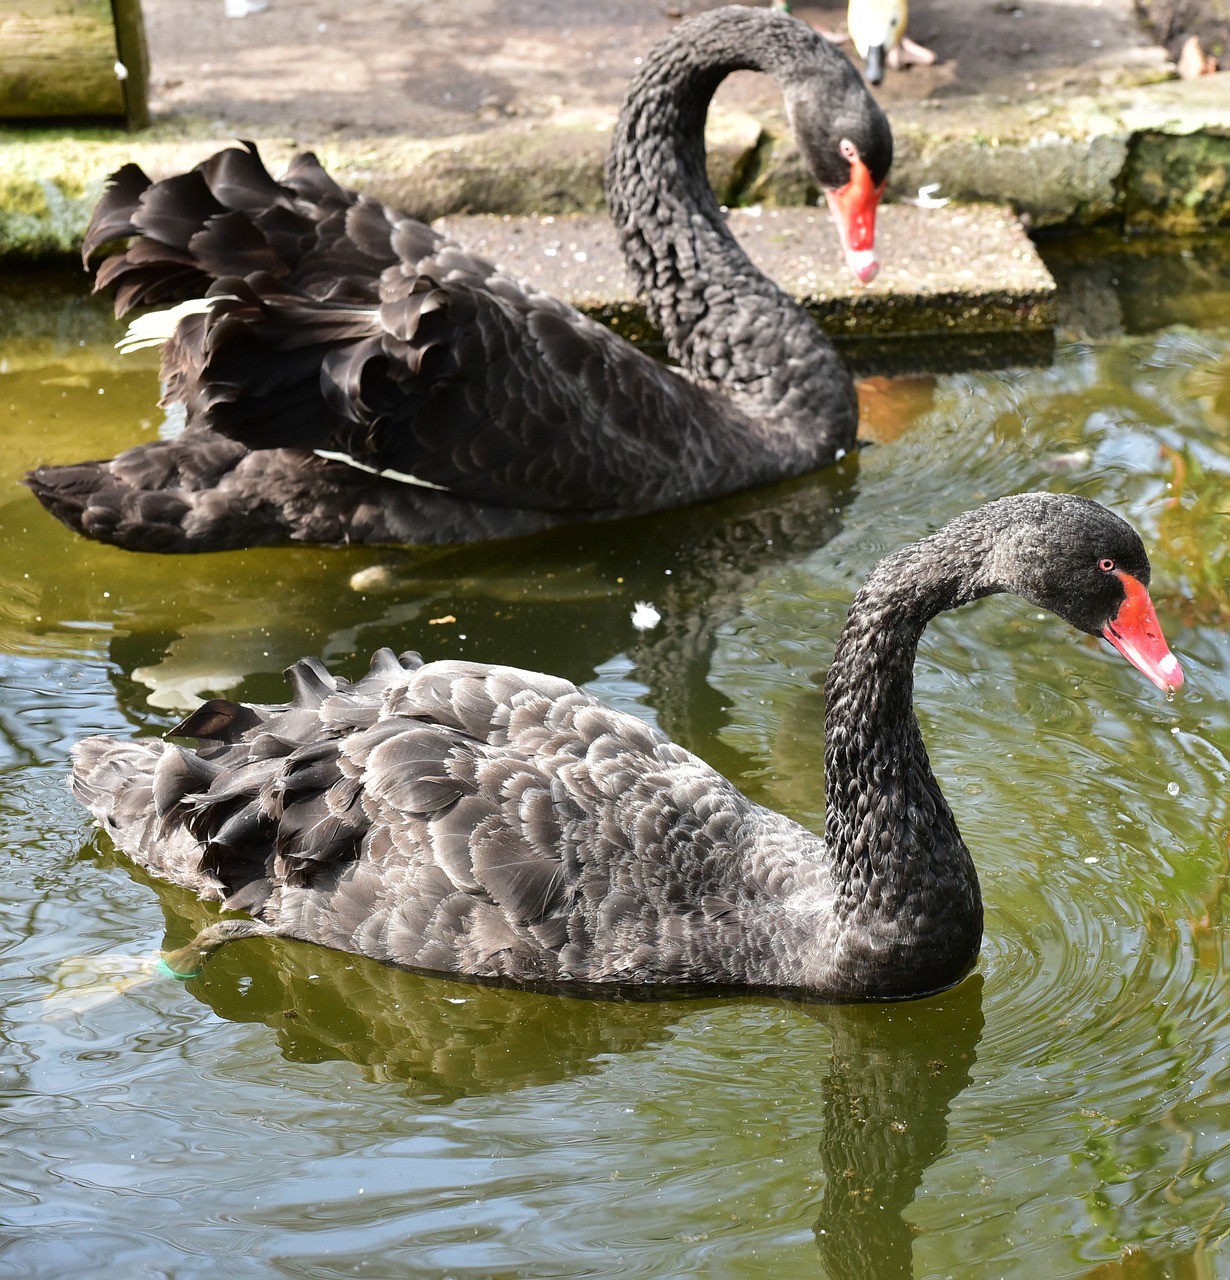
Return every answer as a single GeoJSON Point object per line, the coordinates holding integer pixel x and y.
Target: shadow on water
{"type": "Point", "coordinates": [932, 354]}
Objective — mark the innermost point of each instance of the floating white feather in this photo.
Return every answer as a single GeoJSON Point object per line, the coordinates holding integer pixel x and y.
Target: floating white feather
{"type": "Point", "coordinates": [926, 198]}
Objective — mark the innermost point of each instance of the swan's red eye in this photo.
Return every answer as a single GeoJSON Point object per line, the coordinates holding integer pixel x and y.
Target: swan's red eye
{"type": "Point", "coordinates": [1106, 564]}
{"type": "Point", "coordinates": [848, 149]}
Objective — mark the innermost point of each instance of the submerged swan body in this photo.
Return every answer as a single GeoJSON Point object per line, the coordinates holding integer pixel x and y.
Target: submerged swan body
{"type": "Point", "coordinates": [353, 376]}
{"type": "Point", "coordinates": [496, 823]}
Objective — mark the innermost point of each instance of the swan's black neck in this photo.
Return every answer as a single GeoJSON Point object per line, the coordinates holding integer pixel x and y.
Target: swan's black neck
{"type": "Point", "coordinates": [728, 325]}
{"type": "Point", "coordinates": [906, 885]}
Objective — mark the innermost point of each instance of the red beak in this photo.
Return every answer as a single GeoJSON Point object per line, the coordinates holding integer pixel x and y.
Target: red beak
{"type": "Point", "coordinates": [1137, 634]}
{"type": "Point", "coordinates": [854, 210]}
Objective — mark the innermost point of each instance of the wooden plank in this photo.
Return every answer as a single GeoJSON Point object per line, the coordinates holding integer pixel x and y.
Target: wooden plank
{"type": "Point", "coordinates": [134, 55]}
{"type": "Point", "coordinates": [57, 58]}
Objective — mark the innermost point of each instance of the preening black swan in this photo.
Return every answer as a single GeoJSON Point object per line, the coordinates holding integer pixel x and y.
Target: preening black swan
{"type": "Point", "coordinates": [877, 28]}
{"type": "Point", "coordinates": [354, 377]}
{"type": "Point", "coordinates": [480, 820]}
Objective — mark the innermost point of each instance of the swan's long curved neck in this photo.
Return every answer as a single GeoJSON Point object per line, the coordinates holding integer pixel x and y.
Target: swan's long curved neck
{"type": "Point", "coordinates": [905, 882]}
{"type": "Point", "coordinates": [697, 282]}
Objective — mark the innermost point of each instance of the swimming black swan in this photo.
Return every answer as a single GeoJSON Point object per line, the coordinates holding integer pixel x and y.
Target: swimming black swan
{"type": "Point", "coordinates": [358, 378]}
{"type": "Point", "coordinates": [496, 823]}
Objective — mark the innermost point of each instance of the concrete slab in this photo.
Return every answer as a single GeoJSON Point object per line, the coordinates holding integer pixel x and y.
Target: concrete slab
{"type": "Point", "coordinates": [965, 268]}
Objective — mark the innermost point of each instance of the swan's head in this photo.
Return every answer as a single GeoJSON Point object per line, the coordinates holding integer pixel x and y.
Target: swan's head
{"type": "Point", "coordinates": [854, 211]}
{"type": "Point", "coordinates": [1074, 557]}
{"type": "Point", "coordinates": [845, 139]}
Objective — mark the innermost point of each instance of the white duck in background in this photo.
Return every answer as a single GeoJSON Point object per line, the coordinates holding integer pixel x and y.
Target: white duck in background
{"type": "Point", "coordinates": [877, 28]}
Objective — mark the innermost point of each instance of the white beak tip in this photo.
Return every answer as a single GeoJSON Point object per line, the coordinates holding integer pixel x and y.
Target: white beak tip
{"type": "Point", "coordinates": [863, 263]}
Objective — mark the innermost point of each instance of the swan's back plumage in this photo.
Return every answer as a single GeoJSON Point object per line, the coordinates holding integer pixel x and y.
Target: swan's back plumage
{"type": "Point", "coordinates": [339, 325]}
{"type": "Point", "coordinates": [461, 818]}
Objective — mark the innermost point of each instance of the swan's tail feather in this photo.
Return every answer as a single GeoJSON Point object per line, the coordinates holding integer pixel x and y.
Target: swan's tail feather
{"type": "Point", "coordinates": [199, 491]}
{"type": "Point", "coordinates": [158, 265]}
{"type": "Point", "coordinates": [238, 179]}
{"type": "Point", "coordinates": [226, 217]}
{"type": "Point", "coordinates": [203, 492]}
{"type": "Point", "coordinates": [309, 180]}
{"type": "Point", "coordinates": [112, 217]}
{"type": "Point", "coordinates": [136, 790]}
{"type": "Point", "coordinates": [173, 812]}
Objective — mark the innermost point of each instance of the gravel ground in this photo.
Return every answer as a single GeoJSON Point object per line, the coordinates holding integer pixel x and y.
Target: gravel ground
{"type": "Point", "coordinates": [425, 68]}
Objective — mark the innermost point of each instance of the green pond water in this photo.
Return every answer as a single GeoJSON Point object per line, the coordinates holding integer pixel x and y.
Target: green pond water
{"type": "Point", "coordinates": [1064, 1112]}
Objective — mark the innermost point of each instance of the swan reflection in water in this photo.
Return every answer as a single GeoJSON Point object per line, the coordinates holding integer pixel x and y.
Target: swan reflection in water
{"type": "Point", "coordinates": [881, 1110]}
{"type": "Point", "coordinates": [561, 602]}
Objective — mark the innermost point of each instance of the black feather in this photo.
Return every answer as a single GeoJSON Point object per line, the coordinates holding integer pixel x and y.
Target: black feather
{"type": "Point", "coordinates": [112, 217]}
{"type": "Point", "coordinates": [217, 719]}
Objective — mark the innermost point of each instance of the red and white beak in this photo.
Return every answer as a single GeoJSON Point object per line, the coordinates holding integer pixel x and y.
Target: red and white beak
{"type": "Point", "coordinates": [1137, 634]}
{"type": "Point", "coordinates": [854, 210]}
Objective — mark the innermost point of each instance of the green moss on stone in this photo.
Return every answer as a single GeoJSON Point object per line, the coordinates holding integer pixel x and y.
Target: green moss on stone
{"type": "Point", "coordinates": [1177, 183]}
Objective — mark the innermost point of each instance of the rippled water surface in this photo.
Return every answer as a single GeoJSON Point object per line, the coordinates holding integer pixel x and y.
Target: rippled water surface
{"type": "Point", "coordinates": [1065, 1112]}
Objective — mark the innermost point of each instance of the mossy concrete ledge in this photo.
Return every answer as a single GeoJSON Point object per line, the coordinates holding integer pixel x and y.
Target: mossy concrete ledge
{"type": "Point", "coordinates": [970, 269]}
{"type": "Point", "coordinates": [1150, 156]}
{"type": "Point", "coordinates": [50, 178]}
{"type": "Point", "coordinates": [1153, 156]}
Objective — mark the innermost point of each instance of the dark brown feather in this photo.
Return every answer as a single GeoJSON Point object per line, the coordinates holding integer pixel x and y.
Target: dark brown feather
{"type": "Point", "coordinates": [112, 218]}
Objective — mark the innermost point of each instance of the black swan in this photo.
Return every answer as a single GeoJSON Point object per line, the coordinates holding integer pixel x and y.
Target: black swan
{"type": "Point", "coordinates": [353, 377]}
{"type": "Point", "coordinates": [484, 821]}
